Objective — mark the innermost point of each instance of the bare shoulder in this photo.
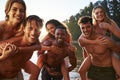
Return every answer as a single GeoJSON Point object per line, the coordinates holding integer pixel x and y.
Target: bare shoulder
{"type": "Point", "coordinates": [81, 40]}
{"type": "Point", "coordinates": [47, 42]}
{"type": "Point", "coordinates": [45, 38]}
{"type": "Point", "coordinates": [3, 23]}
{"type": "Point", "coordinates": [11, 40]}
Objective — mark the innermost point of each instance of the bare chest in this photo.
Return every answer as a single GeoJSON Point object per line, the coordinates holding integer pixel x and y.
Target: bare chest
{"type": "Point", "coordinates": [96, 49]}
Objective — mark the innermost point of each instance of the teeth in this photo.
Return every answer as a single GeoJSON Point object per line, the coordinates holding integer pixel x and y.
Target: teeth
{"type": "Point", "coordinates": [59, 39]}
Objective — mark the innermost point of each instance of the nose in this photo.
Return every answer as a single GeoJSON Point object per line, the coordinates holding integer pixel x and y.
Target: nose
{"type": "Point", "coordinates": [85, 29]}
{"type": "Point", "coordinates": [33, 32]}
{"type": "Point", "coordinates": [19, 12]}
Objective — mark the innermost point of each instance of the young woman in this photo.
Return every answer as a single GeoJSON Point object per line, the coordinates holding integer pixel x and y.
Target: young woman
{"type": "Point", "coordinates": [105, 26]}
{"type": "Point", "coordinates": [15, 11]}
{"type": "Point", "coordinates": [51, 26]}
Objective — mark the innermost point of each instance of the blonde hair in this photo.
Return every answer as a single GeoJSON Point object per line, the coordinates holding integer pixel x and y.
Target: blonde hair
{"type": "Point", "coordinates": [106, 18]}
{"type": "Point", "coordinates": [39, 22]}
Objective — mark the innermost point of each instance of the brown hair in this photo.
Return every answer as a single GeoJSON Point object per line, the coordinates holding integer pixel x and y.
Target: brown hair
{"type": "Point", "coordinates": [39, 22]}
{"type": "Point", "coordinates": [84, 20]}
{"type": "Point", "coordinates": [9, 4]}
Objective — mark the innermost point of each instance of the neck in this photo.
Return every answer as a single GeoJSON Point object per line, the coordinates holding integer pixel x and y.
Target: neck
{"type": "Point", "coordinates": [60, 44]}
{"type": "Point", "coordinates": [93, 36]}
{"type": "Point", "coordinates": [12, 25]}
{"type": "Point", "coordinates": [24, 42]}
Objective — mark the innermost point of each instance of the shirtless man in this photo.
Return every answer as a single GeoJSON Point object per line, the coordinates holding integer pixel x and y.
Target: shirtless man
{"type": "Point", "coordinates": [10, 67]}
{"type": "Point", "coordinates": [54, 67]}
{"type": "Point", "coordinates": [101, 65]}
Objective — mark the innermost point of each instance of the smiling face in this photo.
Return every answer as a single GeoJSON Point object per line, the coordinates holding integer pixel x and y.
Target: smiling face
{"type": "Point", "coordinates": [16, 13]}
{"type": "Point", "coordinates": [31, 32]}
{"type": "Point", "coordinates": [60, 35]}
{"type": "Point", "coordinates": [99, 14]}
{"type": "Point", "coordinates": [51, 28]}
{"type": "Point", "coordinates": [86, 29]}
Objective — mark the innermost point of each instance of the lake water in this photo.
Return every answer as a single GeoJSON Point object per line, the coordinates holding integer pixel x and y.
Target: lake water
{"type": "Point", "coordinates": [73, 74]}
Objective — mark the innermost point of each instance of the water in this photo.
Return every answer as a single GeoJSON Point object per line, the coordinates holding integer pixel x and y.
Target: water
{"type": "Point", "coordinates": [73, 74]}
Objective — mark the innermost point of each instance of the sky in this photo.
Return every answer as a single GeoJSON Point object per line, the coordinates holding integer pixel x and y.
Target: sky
{"type": "Point", "coordinates": [51, 9]}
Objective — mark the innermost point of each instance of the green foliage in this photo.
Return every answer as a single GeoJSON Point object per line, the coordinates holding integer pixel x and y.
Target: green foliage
{"type": "Point", "coordinates": [112, 8]}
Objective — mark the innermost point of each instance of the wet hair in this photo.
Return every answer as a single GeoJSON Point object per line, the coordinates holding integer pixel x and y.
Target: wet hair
{"type": "Point", "coordinates": [54, 22]}
{"type": "Point", "coordinates": [84, 20]}
{"type": "Point", "coordinates": [38, 20]}
{"type": "Point", "coordinates": [9, 4]}
{"type": "Point", "coordinates": [106, 18]}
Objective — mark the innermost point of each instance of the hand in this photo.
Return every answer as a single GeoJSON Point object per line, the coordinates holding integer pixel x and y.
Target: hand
{"type": "Point", "coordinates": [101, 40]}
{"type": "Point", "coordinates": [72, 48]}
{"type": "Point", "coordinates": [8, 50]}
{"type": "Point", "coordinates": [104, 25]}
{"type": "Point", "coordinates": [37, 46]}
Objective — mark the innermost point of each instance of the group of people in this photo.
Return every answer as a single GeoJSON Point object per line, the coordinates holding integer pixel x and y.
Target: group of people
{"type": "Point", "coordinates": [101, 61]}
{"type": "Point", "coordinates": [20, 38]}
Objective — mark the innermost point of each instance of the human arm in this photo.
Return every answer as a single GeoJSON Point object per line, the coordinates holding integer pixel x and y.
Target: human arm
{"type": "Point", "coordinates": [7, 50]}
{"type": "Point", "coordinates": [113, 28]}
{"type": "Point", "coordinates": [64, 71]}
{"type": "Point", "coordinates": [82, 41]}
{"type": "Point", "coordinates": [32, 69]}
{"type": "Point", "coordinates": [40, 60]}
{"type": "Point", "coordinates": [26, 49]}
{"type": "Point", "coordinates": [85, 54]}
{"type": "Point", "coordinates": [72, 59]}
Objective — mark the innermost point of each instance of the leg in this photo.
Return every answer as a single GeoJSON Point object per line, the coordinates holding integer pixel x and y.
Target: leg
{"type": "Point", "coordinates": [64, 71]}
{"type": "Point", "coordinates": [32, 69]}
{"type": "Point", "coordinates": [84, 67]}
{"type": "Point", "coordinates": [116, 64]}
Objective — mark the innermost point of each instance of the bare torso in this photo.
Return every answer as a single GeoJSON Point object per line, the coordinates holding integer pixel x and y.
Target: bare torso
{"type": "Point", "coordinates": [56, 59]}
{"type": "Point", "coordinates": [10, 67]}
{"type": "Point", "coordinates": [101, 55]}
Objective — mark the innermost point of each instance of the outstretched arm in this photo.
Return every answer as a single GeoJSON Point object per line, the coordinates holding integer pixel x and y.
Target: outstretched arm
{"type": "Point", "coordinates": [72, 59]}
{"type": "Point", "coordinates": [113, 28]}
{"type": "Point", "coordinates": [65, 71]}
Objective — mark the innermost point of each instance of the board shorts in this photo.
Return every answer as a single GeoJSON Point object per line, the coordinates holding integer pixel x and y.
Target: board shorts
{"type": "Point", "coordinates": [18, 77]}
{"type": "Point", "coordinates": [101, 73]}
{"type": "Point", "coordinates": [46, 76]}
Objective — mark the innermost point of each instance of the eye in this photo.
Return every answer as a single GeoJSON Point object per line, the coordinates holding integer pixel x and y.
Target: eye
{"type": "Point", "coordinates": [30, 28]}
{"type": "Point", "coordinates": [14, 9]}
{"type": "Point", "coordinates": [22, 10]}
